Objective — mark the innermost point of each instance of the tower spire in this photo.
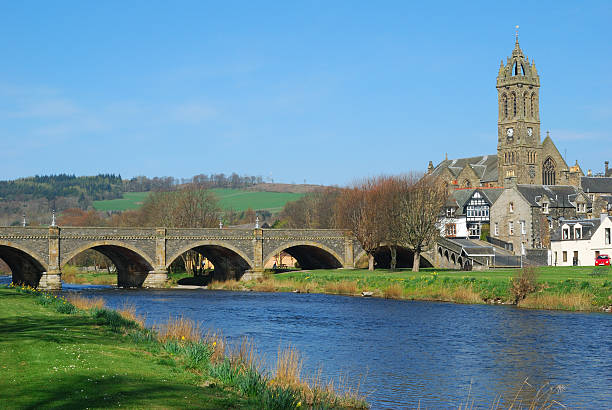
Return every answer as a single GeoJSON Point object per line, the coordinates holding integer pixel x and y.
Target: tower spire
{"type": "Point", "coordinates": [516, 34]}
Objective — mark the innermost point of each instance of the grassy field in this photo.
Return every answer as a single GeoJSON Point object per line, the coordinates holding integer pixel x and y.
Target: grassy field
{"type": "Point", "coordinates": [241, 200]}
{"type": "Point", "coordinates": [75, 353]}
{"type": "Point", "coordinates": [130, 200]}
{"type": "Point", "coordinates": [237, 199]}
{"type": "Point", "coordinates": [567, 288]}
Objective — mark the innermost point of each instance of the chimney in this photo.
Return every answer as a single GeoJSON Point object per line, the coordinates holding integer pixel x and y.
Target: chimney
{"type": "Point", "coordinates": [606, 172]}
{"type": "Point", "coordinates": [430, 167]}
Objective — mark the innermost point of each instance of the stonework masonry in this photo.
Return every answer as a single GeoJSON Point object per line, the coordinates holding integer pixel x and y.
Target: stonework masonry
{"type": "Point", "coordinates": [143, 255]}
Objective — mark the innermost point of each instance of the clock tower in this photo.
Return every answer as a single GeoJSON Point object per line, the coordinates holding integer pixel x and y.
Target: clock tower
{"type": "Point", "coordinates": [518, 126]}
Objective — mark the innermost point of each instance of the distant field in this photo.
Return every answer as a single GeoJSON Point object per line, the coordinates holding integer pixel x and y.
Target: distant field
{"type": "Point", "coordinates": [241, 200]}
{"type": "Point", "coordinates": [130, 200]}
{"type": "Point", "coordinates": [237, 199]}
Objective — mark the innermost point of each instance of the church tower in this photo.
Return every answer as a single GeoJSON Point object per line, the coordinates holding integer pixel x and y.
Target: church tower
{"type": "Point", "coordinates": [518, 125]}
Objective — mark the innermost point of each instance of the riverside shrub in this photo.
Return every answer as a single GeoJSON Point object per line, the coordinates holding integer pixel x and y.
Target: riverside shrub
{"type": "Point", "coordinates": [524, 284]}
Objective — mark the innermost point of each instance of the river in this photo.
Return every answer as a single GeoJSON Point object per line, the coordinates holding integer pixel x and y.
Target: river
{"type": "Point", "coordinates": [405, 353]}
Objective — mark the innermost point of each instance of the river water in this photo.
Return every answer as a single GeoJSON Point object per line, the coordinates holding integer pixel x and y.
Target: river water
{"type": "Point", "coordinates": [403, 354]}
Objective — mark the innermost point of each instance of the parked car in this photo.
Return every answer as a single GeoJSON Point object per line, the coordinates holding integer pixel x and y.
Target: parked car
{"type": "Point", "coordinates": [602, 260]}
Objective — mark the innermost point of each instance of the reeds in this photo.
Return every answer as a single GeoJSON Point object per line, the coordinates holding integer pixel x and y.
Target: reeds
{"type": "Point", "coordinates": [230, 284]}
{"type": "Point", "coordinates": [394, 291]}
{"type": "Point", "coordinates": [128, 311]}
{"type": "Point", "coordinates": [567, 301]}
{"type": "Point", "coordinates": [343, 287]}
{"type": "Point", "coordinates": [84, 303]}
{"type": "Point", "coordinates": [179, 328]}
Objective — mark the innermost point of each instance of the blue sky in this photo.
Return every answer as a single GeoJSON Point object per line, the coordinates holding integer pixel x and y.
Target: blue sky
{"type": "Point", "coordinates": [323, 92]}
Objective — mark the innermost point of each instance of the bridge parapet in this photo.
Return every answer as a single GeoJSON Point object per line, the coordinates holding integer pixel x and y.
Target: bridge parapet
{"type": "Point", "coordinates": [142, 254]}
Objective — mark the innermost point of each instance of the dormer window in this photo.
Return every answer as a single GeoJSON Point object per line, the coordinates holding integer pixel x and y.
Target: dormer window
{"type": "Point", "coordinates": [545, 207]}
{"type": "Point", "coordinates": [511, 207]}
{"type": "Point", "coordinates": [581, 207]}
{"type": "Point", "coordinates": [578, 232]}
{"type": "Point", "coordinates": [565, 233]}
{"type": "Point", "coordinates": [592, 197]}
{"type": "Point", "coordinates": [450, 212]}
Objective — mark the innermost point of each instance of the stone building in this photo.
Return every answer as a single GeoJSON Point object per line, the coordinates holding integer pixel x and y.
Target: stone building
{"type": "Point", "coordinates": [524, 214]}
{"type": "Point", "coordinates": [521, 154]}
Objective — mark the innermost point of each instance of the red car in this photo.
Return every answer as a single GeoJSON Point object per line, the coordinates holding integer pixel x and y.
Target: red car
{"type": "Point", "coordinates": [602, 260]}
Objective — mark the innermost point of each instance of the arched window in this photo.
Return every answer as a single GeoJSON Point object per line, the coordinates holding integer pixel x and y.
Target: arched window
{"type": "Point", "coordinates": [514, 104]}
{"type": "Point", "coordinates": [505, 103]}
{"type": "Point", "coordinates": [533, 103]}
{"type": "Point", "coordinates": [525, 105]}
{"type": "Point", "coordinates": [548, 172]}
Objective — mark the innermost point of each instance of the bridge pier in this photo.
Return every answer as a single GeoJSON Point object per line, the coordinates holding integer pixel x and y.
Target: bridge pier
{"type": "Point", "coordinates": [50, 281]}
{"type": "Point", "coordinates": [156, 279]}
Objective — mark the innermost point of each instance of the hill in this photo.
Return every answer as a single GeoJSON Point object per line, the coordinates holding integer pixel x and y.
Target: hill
{"type": "Point", "coordinates": [236, 199]}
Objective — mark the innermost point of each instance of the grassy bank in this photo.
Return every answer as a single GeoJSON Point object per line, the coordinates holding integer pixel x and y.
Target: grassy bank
{"type": "Point", "coordinates": [77, 354]}
{"type": "Point", "coordinates": [566, 288]}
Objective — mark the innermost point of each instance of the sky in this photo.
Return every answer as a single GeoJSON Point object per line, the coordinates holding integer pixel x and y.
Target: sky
{"type": "Point", "coordinates": [322, 92]}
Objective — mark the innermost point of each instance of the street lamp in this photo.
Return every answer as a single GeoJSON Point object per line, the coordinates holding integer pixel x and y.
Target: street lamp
{"type": "Point", "coordinates": [53, 218]}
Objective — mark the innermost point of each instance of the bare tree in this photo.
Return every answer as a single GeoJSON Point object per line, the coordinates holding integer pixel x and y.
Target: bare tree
{"type": "Point", "coordinates": [421, 207]}
{"type": "Point", "coordinates": [358, 209]}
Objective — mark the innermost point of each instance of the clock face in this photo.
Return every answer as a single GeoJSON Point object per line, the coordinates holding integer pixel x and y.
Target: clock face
{"type": "Point", "coordinates": [530, 131]}
{"type": "Point", "coordinates": [510, 132]}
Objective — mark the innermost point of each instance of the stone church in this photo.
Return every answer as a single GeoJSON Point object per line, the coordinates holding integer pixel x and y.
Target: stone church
{"type": "Point", "coordinates": [522, 157]}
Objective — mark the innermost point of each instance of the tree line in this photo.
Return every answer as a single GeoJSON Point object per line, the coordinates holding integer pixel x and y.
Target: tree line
{"type": "Point", "coordinates": [387, 211]}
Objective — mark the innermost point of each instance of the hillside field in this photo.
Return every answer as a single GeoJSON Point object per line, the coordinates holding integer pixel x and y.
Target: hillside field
{"type": "Point", "coordinates": [237, 199]}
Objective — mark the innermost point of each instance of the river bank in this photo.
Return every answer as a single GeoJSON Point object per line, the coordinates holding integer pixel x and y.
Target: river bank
{"type": "Point", "coordinates": [558, 288]}
{"type": "Point", "coordinates": [56, 353]}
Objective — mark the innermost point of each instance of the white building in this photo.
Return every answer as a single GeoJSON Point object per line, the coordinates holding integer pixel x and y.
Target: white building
{"type": "Point", "coordinates": [579, 242]}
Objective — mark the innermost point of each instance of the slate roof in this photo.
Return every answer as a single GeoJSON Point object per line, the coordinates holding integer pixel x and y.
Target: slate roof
{"type": "Point", "coordinates": [589, 226]}
{"type": "Point", "coordinates": [560, 196]}
{"type": "Point", "coordinates": [460, 197]}
{"type": "Point", "coordinates": [484, 166]}
{"type": "Point", "coordinates": [596, 184]}
{"type": "Point", "coordinates": [472, 249]}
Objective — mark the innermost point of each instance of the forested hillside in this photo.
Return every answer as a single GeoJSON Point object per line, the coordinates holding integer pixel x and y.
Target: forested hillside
{"type": "Point", "coordinates": [103, 186]}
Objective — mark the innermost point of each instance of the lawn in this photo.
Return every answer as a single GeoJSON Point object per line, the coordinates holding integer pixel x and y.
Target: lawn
{"type": "Point", "coordinates": [50, 359]}
{"type": "Point", "coordinates": [237, 199]}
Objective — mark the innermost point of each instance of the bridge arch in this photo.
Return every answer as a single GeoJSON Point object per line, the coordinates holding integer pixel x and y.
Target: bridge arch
{"type": "Point", "coordinates": [133, 265]}
{"type": "Point", "coordinates": [26, 265]}
{"type": "Point", "coordinates": [382, 258]}
{"type": "Point", "coordinates": [309, 254]}
{"type": "Point", "coordinates": [229, 261]}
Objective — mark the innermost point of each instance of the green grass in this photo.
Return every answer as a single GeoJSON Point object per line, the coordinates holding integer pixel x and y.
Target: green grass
{"type": "Point", "coordinates": [54, 360]}
{"type": "Point", "coordinates": [55, 355]}
{"type": "Point", "coordinates": [130, 200]}
{"type": "Point", "coordinates": [237, 199]}
{"type": "Point", "coordinates": [241, 200]}
{"type": "Point", "coordinates": [455, 286]}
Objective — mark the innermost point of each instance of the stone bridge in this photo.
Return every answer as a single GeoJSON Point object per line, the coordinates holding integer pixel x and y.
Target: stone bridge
{"type": "Point", "coordinates": [36, 255]}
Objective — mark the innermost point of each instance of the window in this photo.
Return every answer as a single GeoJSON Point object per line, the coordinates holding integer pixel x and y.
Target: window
{"type": "Point", "coordinates": [592, 197]}
{"type": "Point", "coordinates": [545, 207]}
{"type": "Point", "coordinates": [607, 238]}
{"type": "Point", "coordinates": [581, 207]}
{"type": "Point", "coordinates": [511, 207]}
{"type": "Point", "coordinates": [575, 260]}
{"type": "Point", "coordinates": [564, 256]}
{"type": "Point", "coordinates": [450, 212]}
{"type": "Point", "coordinates": [496, 229]}
{"type": "Point", "coordinates": [474, 230]}
{"type": "Point", "coordinates": [565, 233]}
{"type": "Point", "coordinates": [550, 224]}
{"type": "Point", "coordinates": [505, 102]}
{"type": "Point", "coordinates": [596, 254]}
{"type": "Point", "coordinates": [577, 233]}
{"type": "Point", "coordinates": [548, 172]}
{"type": "Point", "coordinates": [451, 230]}
{"type": "Point", "coordinates": [523, 230]}
{"type": "Point", "coordinates": [510, 228]}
